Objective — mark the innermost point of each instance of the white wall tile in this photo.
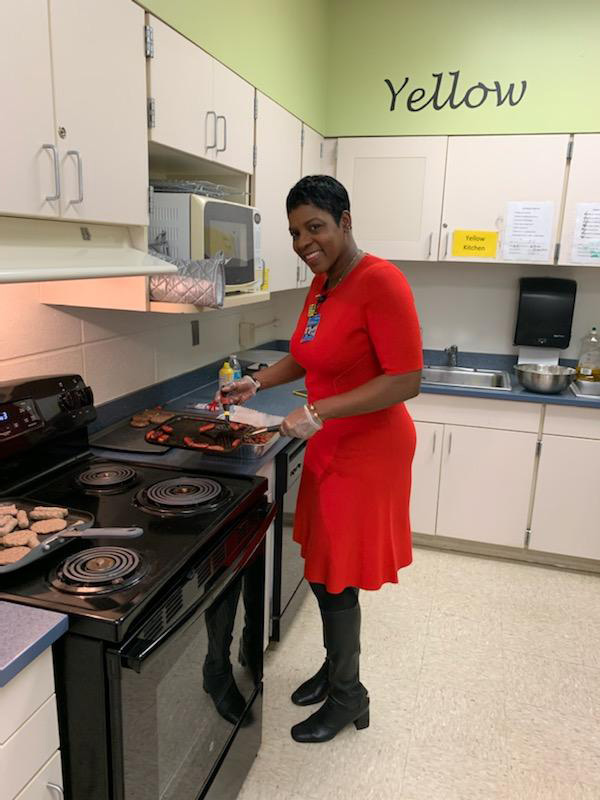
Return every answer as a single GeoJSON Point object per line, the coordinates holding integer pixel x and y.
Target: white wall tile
{"type": "Point", "coordinates": [118, 366]}
{"type": "Point", "coordinates": [28, 326]}
{"type": "Point", "coordinates": [53, 363]}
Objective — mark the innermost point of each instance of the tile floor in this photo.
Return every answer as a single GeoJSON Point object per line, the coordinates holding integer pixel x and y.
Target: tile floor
{"type": "Point", "coordinates": [484, 678]}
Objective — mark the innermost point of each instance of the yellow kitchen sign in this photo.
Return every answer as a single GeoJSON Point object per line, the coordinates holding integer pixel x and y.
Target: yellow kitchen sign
{"type": "Point", "coordinates": [475, 244]}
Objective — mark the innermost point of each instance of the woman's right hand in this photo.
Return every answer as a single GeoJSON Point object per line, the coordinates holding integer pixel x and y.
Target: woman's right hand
{"type": "Point", "coordinates": [237, 392]}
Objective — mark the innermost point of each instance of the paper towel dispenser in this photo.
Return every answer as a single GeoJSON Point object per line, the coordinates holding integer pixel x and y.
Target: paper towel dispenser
{"type": "Point", "coordinates": [545, 313]}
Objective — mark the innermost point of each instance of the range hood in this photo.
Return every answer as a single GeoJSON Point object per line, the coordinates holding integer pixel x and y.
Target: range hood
{"type": "Point", "coordinates": [54, 250]}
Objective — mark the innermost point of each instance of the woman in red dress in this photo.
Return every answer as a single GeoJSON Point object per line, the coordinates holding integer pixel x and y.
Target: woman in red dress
{"type": "Point", "coordinates": [357, 342]}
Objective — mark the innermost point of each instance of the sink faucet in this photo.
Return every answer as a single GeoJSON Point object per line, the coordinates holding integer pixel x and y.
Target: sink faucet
{"type": "Point", "coordinates": [452, 353]}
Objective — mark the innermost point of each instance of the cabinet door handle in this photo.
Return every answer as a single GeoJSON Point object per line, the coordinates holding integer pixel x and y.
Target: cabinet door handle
{"type": "Point", "coordinates": [450, 443]}
{"type": "Point", "coordinates": [54, 151]}
{"type": "Point", "coordinates": [221, 149]}
{"type": "Point", "coordinates": [79, 175]}
{"type": "Point", "coordinates": [434, 442]}
{"type": "Point", "coordinates": [430, 243]}
{"type": "Point", "coordinates": [446, 244]}
{"type": "Point", "coordinates": [212, 114]}
{"type": "Point", "coordinates": [55, 788]}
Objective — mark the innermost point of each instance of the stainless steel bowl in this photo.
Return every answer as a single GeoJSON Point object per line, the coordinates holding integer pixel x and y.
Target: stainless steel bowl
{"type": "Point", "coordinates": [543, 378]}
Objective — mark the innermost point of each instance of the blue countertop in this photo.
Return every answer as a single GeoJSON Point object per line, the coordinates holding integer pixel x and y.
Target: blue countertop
{"type": "Point", "coordinates": [25, 632]}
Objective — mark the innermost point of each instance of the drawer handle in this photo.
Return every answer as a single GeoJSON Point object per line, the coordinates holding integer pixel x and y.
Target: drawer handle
{"type": "Point", "coordinates": [449, 443]}
{"type": "Point", "coordinates": [430, 243]}
{"type": "Point", "coordinates": [54, 152]}
{"type": "Point", "coordinates": [434, 442]}
{"type": "Point", "coordinates": [54, 787]}
{"type": "Point", "coordinates": [77, 155]}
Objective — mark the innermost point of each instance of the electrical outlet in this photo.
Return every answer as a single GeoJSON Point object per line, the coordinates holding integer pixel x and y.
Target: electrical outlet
{"type": "Point", "coordinates": [247, 335]}
{"type": "Point", "coordinates": [195, 324]}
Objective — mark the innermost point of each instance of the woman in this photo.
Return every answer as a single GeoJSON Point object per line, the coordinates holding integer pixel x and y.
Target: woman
{"type": "Point", "coordinates": [358, 344]}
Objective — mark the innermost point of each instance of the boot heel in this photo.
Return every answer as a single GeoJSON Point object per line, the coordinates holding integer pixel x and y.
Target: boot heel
{"type": "Point", "coordinates": [362, 722]}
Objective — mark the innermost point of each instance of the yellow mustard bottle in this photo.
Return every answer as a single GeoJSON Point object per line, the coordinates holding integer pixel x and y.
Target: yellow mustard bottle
{"type": "Point", "coordinates": [225, 374]}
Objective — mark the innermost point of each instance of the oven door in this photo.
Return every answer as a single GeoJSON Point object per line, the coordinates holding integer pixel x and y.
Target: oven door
{"type": "Point", "coordinates": [190, 677]}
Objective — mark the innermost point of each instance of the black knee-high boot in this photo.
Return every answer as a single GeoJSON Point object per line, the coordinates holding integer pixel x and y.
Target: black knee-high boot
{"type": "Point", "coordinates": [315, 689]}
{"type": "Point", "coordinates": [348, 700]}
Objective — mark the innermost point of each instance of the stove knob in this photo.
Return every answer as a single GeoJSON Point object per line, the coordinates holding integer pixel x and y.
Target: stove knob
{"type": "Point", "coordinates": [67, 401]}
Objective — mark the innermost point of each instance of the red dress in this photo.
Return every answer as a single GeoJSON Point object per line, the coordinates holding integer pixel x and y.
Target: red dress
{"type": "Point", "coordinates": [352, 519]}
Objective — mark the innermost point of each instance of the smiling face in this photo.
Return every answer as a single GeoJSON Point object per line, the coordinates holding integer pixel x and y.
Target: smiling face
{"type": "Point", "coordinates": [319, 241]}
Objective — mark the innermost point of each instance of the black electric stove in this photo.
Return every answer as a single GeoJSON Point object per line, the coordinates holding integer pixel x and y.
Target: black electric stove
{"type": "Point", "coordinates": [179, 512]}
{"type": "Point", "coordinates": [159, 678]}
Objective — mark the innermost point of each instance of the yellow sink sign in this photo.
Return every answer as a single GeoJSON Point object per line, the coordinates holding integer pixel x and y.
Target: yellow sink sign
{"type": "Point", "coordinates": [475, 244]}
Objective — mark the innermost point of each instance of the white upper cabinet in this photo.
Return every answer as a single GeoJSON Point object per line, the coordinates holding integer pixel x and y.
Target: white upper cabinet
{"type": "Point", "coordinates": [278, 166]}
{"type": "Point", "coordinates": [100, 79]}
{"type": "Point", "coordinates": [485, 173]}
{"type": "Point", "coordinates": [233, 102]}
{"type": "Point", "coordinates": [396, 187]}
{"type": "Point", "coordinates": [312, 160]}
{"type": "Point", "coordinates": [28, 164]}
{"type": "Point", "coordinates": [180, 86]}
{"type": "Point", "coordinates": [200, 106]}
{"type": "Point", "coordinates": [580, 241]}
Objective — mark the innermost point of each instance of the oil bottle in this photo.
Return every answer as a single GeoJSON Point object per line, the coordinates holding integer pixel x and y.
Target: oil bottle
{"type": "Point", "coordinates": [588, 366]}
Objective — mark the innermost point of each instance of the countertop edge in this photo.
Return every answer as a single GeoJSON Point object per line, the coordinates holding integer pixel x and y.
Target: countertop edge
{"type": "Point", "coordinates": [50, 627]}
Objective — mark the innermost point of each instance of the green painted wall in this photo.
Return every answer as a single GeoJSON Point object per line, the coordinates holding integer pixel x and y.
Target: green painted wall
{"type": "Point", "coordinates": [279, 46]}
{"type": "Point", "coordinates": [552, 44]}
{"type": "Point", "coordinates": [326, 60]}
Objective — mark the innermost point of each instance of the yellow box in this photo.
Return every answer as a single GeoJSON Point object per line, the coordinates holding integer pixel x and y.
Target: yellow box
{"type": "Point", "coordinates": [475, 244]}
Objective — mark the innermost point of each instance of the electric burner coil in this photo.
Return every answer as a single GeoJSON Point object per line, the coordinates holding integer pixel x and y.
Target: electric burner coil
{"type": "Point", "coordinates": [99, 570]}
{"type": "Point", "coordinates": [183, 496]}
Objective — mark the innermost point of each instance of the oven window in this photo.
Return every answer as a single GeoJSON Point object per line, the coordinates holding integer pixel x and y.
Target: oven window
{"type": "Point", "coordinates": [180, 711]}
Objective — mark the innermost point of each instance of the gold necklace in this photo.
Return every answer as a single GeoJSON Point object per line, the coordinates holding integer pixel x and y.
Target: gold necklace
{"type": "Point", "coordinates": [346, 269]}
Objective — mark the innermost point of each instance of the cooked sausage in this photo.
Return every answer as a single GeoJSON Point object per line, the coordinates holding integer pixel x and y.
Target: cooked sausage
{"type": "Point", "coordinates": [10, 511]}
{"type": "Point", "coordinates": [209, 426]}
{"type": "Point", "coordinates": [21, 539]}
{"type": "Point", "coordinates": [49, 526]}
{"type": "Point", "coordinates": [22, 519]}
{"type": "Point", "coordinates": [48, 512]}
{"type": "Point", "coordinates": [217, 447]}
{"type": "Point", "coordinates": [167, 428]}
{"type": "Point", "coordinates": [8, 526]}
{"type": "Point", "coordinates": [12, 554]}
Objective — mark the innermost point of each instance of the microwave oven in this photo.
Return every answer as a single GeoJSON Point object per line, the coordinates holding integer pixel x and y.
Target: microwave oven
{"type": "Point", "coordinates": [198, 227]}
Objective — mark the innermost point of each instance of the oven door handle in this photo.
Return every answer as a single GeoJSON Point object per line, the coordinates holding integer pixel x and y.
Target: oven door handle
{"type": "Point", "coordinates": [136, 651]}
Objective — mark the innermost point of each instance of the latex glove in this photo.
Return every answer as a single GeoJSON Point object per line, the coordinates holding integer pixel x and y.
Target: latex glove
{"type": "Point", "coordinates": [237, 392]}
{"type": "Point", "coordinates": [300, 424]}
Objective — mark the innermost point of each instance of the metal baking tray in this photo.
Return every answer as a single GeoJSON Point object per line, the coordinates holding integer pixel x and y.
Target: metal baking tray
{"type": "Point", "coordinates": [185, 425]}
{"type": "Point", "coordinates": [27, 504]}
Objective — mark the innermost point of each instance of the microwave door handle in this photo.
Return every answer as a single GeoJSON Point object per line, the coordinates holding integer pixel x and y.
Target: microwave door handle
{"type": "Point", "coordinates": [131, 656]}
{"type": "Point", "coordinates": [222, 149]}
{"type": "Point", "coordinates": [212, 114]}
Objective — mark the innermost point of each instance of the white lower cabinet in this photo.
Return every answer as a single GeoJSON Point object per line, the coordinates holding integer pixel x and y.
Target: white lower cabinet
{"type": "Point", "coordinates": [426, 477]}
{"type": "Point", "coordinates": [566, 512]}
{"type": "Point", "coordinates": [485, 484]}
{"type": "Point", "coordinates": [46, 784]}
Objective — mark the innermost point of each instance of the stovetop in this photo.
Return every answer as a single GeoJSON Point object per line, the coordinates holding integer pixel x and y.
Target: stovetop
{"type": "Point", "coordinates": [179, 511]}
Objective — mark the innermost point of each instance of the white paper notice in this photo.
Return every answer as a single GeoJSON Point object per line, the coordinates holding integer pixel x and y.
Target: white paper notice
{"type": "Point", "coordinates": [528, 232]}
{"type": "Point", "coordinates": [586, 241]}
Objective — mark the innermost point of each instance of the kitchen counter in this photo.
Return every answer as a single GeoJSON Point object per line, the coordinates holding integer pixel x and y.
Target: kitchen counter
{"type": "Point", "coordinates": [25, 632]}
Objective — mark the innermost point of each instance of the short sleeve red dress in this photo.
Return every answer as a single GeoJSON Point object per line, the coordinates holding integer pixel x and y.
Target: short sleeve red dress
{"type": "Point", "coordinates": [352, 514]}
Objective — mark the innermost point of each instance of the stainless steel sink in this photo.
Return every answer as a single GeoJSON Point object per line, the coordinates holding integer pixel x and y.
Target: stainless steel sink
{"type": "Point", "coordinates": [464, 376]}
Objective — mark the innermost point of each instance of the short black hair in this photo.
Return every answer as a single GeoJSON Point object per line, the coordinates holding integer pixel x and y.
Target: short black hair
{"type": "Point", "coordinates": [321, 191]}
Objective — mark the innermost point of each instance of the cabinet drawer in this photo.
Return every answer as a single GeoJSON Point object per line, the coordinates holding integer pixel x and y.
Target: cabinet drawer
{"type": "Point", "coordinates": [476, 412]}
{"type": "Point", "coordinates": [28, 749]}
{"type": "Point", "coordinates": [27, 691]}
{"type": "Point", "coordinates": [569, 421]}
{"type": "Point", "coordinates": [37, 788]}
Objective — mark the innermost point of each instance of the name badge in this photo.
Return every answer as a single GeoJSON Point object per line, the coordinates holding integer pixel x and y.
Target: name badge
{"type": "Point", "coordinates": [311, 328]}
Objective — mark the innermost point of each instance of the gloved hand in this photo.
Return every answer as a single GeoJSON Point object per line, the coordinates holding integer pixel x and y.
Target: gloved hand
{"type": "Point", "coordinates": [301, 424]}
{"type": "Point", "coordinates": [237, 392]}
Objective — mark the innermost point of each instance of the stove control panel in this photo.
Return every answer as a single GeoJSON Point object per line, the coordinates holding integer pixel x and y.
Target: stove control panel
{"type": "Point", "coordinates": [18, 417]}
